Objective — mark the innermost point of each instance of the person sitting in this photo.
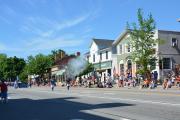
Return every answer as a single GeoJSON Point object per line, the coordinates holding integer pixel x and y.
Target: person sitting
{"type": "Point", "coordinates": [146, 83]}
{"type": "Point", "coordinates": [152, 85]}
{"type": "Point", "coordinates": [169, 84]}
{"type": "Point", "coordinates": [164, 85]}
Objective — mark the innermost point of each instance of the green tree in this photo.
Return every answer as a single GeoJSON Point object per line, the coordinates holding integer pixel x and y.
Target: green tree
{"type": "Point", "coordinates": [3, 58]}
{"type": "Point", "coordinates": [142, 42]}
{"type": "Point", "coordinates": [38, 65]}
{"type": "Point", "coordinates": [24, 75]}
{"type": "Point", "coordinates": [12, 67]}
{"type": "Point", "coordinates": [57, 55]}
{"type": "Point", "coordinates": [89, 68]}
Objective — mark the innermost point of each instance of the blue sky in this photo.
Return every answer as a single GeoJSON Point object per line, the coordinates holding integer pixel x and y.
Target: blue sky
{"type": "Point", "coordinates": [29, 27]}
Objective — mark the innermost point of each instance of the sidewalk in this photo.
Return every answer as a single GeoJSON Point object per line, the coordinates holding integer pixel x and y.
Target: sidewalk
{"type": "Point", "coordinates": [136, 89]}
{"type": "Point", "coordinates": [158, 89]}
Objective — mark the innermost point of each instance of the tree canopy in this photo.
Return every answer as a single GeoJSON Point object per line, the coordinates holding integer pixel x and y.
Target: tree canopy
{"type": "Point", "coordinates": [39, 64]}
{"type": "Point", "coordinates": [11, 67]}
{"type": "Point", "coordinates": [142, 41]}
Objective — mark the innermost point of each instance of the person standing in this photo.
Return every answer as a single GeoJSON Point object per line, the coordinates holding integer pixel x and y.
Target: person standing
{"type": "Point", "coordinates": [30, 83]}
{"type": "Point", "coordinates": [15, 84]}
{"type": "Point", "coordinates": [53, 84]}
{"type": "Point", "coordinates": [68, 83]}
{"type": "Point", "coordinates": [4, 90]}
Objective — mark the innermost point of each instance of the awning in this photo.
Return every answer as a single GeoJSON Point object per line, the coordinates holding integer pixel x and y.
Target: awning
{"type": "Point", "coordinates": [54, 72]}
{"type": "Point", "coordinates": [60, 72]}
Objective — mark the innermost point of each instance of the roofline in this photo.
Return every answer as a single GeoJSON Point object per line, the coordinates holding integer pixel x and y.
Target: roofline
{"type": "Point", "coordinates": [108, 48]}
{"type": "Point", "coordinates": [169, 31]}
{"type": "Point", "coordinates": [125, 32]}
{"type": "Point", "coordinates": [118, 39]}
{"type": "Point", "coordinates": [93, 40]}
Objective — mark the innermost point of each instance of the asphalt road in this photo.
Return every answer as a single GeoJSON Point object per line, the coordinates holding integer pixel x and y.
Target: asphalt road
{"type": "Point", "coordinates": [90, 104]}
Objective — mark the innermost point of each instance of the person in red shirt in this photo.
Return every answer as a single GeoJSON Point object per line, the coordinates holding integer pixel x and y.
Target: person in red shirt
{"type": "Point", "coordinates": [4, 90]}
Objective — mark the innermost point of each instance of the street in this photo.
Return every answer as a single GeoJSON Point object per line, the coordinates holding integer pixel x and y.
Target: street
{"type": "Point", "coordinates": [90, 104]}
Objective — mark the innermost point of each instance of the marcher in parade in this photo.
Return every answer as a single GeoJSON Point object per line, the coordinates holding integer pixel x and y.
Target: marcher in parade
{"type": "Point", "coordinates": [53, 83]}
{"type": "Point", "coordinates": [30, 83]}
{"type": "Point", "coordinates": [68, 83]}
{"type": "Point", "coordinates": [4, 90]}
{"type": "Point", "coordinates": [15, 84]}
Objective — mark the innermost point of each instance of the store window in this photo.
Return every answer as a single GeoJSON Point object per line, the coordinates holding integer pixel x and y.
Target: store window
{"type": "Point", "coordinates": [166, 63]}
{"type": "Point", "coordinates": [122, 68]}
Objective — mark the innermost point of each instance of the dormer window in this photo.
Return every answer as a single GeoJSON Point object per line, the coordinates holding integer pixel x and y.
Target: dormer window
{"type": "Point", "coordinates": [174, 42]}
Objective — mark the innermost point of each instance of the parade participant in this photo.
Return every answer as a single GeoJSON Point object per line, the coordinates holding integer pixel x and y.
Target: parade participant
{"type": "Point", "coordinates": [4, 90]}
{"type": "Point", "coordinates": [53, 84]}
{"type": "Point", "coordinates": [68, 83]}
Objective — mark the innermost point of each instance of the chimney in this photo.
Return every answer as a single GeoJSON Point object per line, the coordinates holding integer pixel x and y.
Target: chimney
{"type": "Point", "coordinates": [78, 53]}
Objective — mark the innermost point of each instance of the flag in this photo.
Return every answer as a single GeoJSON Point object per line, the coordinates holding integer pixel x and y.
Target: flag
{"type": "Point", "coordinates": [114, 71]}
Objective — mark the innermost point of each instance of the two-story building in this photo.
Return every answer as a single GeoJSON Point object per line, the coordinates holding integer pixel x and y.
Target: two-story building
{"type": "Point", "coordinates": [100, 55]}
{"type": "Point", "coordinates": [168, 53]}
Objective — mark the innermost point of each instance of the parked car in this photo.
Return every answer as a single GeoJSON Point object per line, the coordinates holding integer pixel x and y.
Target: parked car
{"type": "Point", "coordinates": [22, 85]}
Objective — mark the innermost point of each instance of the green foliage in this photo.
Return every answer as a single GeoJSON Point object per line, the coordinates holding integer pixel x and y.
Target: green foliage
{"type": "Point", "coordinates": [89, 68]}
{"type": "Point", "coordinates": [24, 75]}
{"type": "Point", "coordinates": [3, 58]}
{"type": "Point", "coordinates": [56, 55]}
{"type": "Point", "coordinates": [11, 67]}
{"type": "Point", "coordinates": [142, 41]}
{"type": "Point", "coordinates": [39, 64]}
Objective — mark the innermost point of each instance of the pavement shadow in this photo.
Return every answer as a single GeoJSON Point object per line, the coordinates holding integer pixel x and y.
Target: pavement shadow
{"type": "Point", "coordinates": [52, 109]}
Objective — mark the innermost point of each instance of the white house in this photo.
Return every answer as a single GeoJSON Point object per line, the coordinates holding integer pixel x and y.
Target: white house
{"type": "Point", "coordinates": [100, 55]}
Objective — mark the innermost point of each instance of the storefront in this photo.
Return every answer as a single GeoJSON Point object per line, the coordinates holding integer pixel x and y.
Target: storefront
{"type": "Point", "coordinates": [104, 69]}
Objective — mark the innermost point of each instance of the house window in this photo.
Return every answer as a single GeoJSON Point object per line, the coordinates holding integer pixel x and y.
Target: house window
{"type": "Point", "coordinates": [106, 55]}
{"type": "Point", "coordinates": [122, 68]}
{"type": "Point", "coordinates": [174, 42]}
{"type": "Point", "coordinates": [94, 58]}
{"type": "Point", "coordinates": [128, 48]}
{"type": "Point", "coordinates": [166, 63]}
{"type": "Point", "coordinates": [129, 64]}
{"type": "Point", "coordinates": [100, 56]}
{"type": "Point", "coordinates": [120, 49]}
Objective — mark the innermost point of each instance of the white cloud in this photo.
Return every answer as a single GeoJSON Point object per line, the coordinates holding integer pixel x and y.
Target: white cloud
{"type": "Point", "coordinates": [47, 34]}
{"type": "Point", "coordinates": [2, 47]}
{"type": "Point", "coordinates": [49, 44]}
{"type": "Point", "coordinates": [8, 10]}
{"type": "Point", "coordinates": [39, 25]}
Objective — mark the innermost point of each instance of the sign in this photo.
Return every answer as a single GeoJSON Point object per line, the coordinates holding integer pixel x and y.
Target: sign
{"type": "Point", "coordinates": [103, 65]}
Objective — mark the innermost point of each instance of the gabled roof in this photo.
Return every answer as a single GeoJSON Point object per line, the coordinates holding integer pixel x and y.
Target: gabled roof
{"type": "Point", "coordinates": [169, 32]}
{"type": "Point", "coordinates": [103, 43]}
{"type": "Point", "coordinates": [119, 38]}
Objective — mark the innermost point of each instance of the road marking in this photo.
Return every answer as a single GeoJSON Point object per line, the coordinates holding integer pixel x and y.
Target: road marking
{"type": "Point", "coordinates": [109, 93]}
{"type": "Point", "coordinates": [104, 114]}
{"type": "Point", "coordinates": [112, 98]}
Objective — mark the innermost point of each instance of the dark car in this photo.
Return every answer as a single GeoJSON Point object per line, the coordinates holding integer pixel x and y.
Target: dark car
{"type": "Point", "coordinates": [22, 85]}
